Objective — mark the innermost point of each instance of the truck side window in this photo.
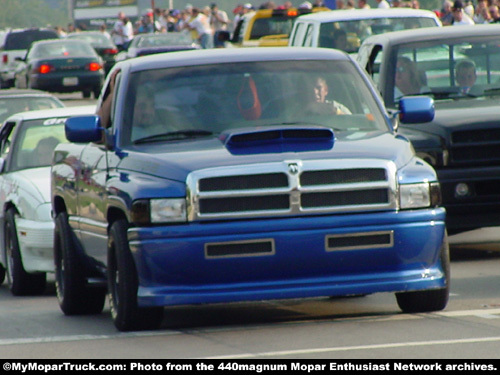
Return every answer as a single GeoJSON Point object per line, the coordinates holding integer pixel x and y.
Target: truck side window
{"type": "Point", "coordinates": [105, 111]}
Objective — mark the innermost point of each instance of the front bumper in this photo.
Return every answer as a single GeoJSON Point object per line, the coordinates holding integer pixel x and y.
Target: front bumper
{"type": "Point", "coordinates": [478, 205]}
{"type": "Point", "coordinates": [36, 242]}
{"type": "Point", "coordinates": [174, 267]}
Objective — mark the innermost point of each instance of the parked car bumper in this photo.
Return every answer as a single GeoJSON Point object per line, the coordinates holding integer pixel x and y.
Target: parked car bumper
{"type": "Point", "coordinates": [6, 77]}
{"type": "Point", "coordinates": [175, 267]}
{"type": "Point", "coordinates": [66, 83]}
{"type": "Point", "coordinates": [36, 242]}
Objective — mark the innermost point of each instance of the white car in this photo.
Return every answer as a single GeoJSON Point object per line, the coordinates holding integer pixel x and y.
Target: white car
{"type": "Point", "coordinates": [27, 140]}
{"type": "Point", "coordinates": [346, 29]}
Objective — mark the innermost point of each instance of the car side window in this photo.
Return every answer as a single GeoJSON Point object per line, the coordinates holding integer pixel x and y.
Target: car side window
{"type": "Point", "coordinates": [296, 38]}
{"type": "Point", "coordinates": [308, 36]}
{"type": "Point", "coordinates": [106, 109]}
{"type": "Point", "coordinates": [373, 63]}
{"type": "Point", "coordinates": [6, 139]}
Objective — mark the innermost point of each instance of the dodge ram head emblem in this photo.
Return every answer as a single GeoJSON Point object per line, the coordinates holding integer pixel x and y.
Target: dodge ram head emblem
{"type": "Point", "coordinates": [293, 168]}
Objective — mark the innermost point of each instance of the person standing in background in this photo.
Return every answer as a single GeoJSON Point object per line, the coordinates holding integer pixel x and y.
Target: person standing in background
{"type": "Point", "coordinates": [201, 24]}
{"type": "Point", "coordinates": [122, 32]}
{"type": "Point", "coordinates": [459, 15]}
{"type": "Point", "coordinates": [219, 22]}
{"type": "Point", "coordinates": [362, 4]}
{"type": "Point", "coordinates": [383, 4]}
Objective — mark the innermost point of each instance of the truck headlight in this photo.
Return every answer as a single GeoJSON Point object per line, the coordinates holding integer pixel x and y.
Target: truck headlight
{"type": "Point", "coordinates": [168, 210]}
{"type": "Point", "coordinates": [155, 211]}
{"type": "Point", "coordinates": [419, 195]}
{"type": "Point", "coordinates": [414, 196]}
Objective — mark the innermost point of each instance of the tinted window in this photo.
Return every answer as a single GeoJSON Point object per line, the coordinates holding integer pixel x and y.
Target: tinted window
{"type": "Point", "coordinates": [23, 39]}
{"type": "Point", "coordinates": [93, 39]}
{"type": "Point", "coordinates": [356, 31]}
{"type": "Point", "coordinates": [214, 98]}
{"type": "Point", "coordinates": [438, 66]}
{"type": "Point", "coordinates": [271, 26]}
{"type": "Point", "coordinates": [62, 48]}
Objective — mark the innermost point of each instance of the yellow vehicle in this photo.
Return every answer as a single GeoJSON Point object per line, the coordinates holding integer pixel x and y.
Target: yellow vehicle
{"type": "Point", "coordinates": [267, 27]}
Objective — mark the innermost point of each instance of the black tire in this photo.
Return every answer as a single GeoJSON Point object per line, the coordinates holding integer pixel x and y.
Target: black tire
{"type": "Point", "coordinates": [21, 283]}
{"type": "Point", "coordinates": [74, 295]}
{"type": "Point", "coordinates": [96, 91]}
{"type": "Point", "coordinates": [123, 285]}
{"type": "Point", "coordinates": [2, 274]}
{"type": "Point", "coordinates": [86, 93]}
{"type": "Point", "coordinates": [429, 300]}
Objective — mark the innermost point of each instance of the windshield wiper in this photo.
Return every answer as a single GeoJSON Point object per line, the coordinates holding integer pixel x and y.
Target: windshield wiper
{"type": "Point", "coordinates": [180, 134]}
{"type": "Point", "coordinates": [492, 91]}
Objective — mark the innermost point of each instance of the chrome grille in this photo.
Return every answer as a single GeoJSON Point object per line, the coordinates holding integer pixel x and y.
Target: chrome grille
{"type": "Point", "coordinates": [291, 188]}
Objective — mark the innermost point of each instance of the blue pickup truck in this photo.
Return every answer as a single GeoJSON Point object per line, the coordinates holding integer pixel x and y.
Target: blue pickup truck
{"type": "Point", "coordinates": [242, 175]}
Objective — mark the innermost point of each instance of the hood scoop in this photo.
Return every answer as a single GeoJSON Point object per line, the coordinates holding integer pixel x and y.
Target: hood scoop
{"type": "Point", "coordinates": [277, 140]}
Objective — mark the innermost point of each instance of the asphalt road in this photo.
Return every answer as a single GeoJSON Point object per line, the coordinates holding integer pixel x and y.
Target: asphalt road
{"type": "Point", "coordinates": [370, 327]}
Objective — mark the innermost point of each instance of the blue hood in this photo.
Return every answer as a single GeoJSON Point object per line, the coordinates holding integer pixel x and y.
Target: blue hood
{"type": "Point", "coordinates": [175, 160]}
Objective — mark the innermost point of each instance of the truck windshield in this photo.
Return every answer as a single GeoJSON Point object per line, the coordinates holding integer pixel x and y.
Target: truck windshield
{"type": "Point", "coordinates": [448, 70]}
{"type": "Point", "coordinates": [209, 99]}
{"type": "Point", "coordinates": [354, 32]}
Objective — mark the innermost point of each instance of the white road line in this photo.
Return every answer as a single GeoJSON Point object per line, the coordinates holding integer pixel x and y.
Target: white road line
{"type": "Point", "coordinates": [479, 313]}
{"type": "Point", "coordinates": [54, 339]}
{"type": "Point", "coordinates": [359, 347]}
{"type": "Point", "coordinates": [482, 313]}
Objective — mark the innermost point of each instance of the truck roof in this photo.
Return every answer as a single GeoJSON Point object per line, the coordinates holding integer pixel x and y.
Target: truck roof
{"type": "Point", "coordinates": [231, 55]}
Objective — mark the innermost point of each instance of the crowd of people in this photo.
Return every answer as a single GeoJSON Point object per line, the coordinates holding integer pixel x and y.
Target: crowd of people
{"type": "Point", "coordinates": [206, 24]}
{"type": "Point", "coordinates": [460, 13]}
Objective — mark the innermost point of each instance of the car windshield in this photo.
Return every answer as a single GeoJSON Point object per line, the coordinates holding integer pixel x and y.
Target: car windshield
{"type": "Point", "coordinates": [455, 69]}
{"type": "Point", "coordinates": [35, 142]}
{"type": "Point", "coordinates": [348, 35]}
{"type": "Point", "coordinates": [201, 101]}
{"type": "Point", "coordinates": [66, 48]}
{"type": "Point", "coordinates": [272, 26]}
{"type": "Point", "coordinates": [93, 39]}
{"type": "Point", "coordinates": [23, 39]}
{"type": "Point", "coordinates": [9, 106]}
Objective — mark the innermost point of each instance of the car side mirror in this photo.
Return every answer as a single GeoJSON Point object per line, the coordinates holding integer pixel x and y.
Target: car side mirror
{"type": "Point", "coordinates": [84, 129]}
{"type": "Point", "coordinates": [416, 109]}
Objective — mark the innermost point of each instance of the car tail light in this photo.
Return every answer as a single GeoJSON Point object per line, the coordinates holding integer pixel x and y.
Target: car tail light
{"type": "Point", "coordinates": [45, 68]}
{"type": "Point", "coordinates": [5, 58]}
{"type": "Point", "coordinates": [292, 13]}
{"type": "Point", "coordinates": [94, 67]}
{"type": "Point", "coordinates": [111, 51]}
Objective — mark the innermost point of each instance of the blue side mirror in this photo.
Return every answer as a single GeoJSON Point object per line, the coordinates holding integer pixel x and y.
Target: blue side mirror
{"type": "Point", "coordinates": [83, 129]}
{"type": "Point", "coordinates": [416, 109]}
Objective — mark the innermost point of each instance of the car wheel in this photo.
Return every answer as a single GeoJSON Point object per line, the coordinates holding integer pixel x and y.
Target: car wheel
{"type": "Point", "coordinates": [20, 282]}
{"type": "Point", "coordinates": [74, 296]}
{"type": "Point", "coordinates": [2, 274]}
{"type": "Point", "coordinates": [123, 285]}
{"type": "Point", "coordinates": [86, 93]}
{"type": "Point", "coordinates": [96, 92]}
{"type": "Point", "coordinates": [429, 300]}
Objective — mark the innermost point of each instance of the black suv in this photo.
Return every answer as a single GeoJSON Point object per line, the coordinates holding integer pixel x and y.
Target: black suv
{"type": "Point", "coordinates": [15, 44]}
